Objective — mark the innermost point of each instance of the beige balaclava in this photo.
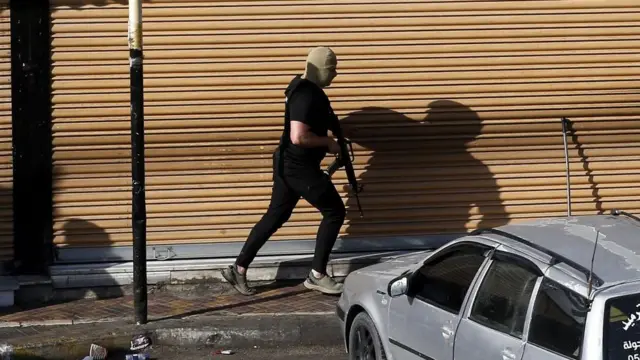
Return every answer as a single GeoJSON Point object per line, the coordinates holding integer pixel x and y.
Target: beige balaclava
{"type": "Point", "coordinates": [321, 66]}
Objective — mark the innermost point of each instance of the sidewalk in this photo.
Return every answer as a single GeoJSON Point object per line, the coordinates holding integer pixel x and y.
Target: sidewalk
{"type": "Point", "coordinates": [274, 316]}
{"type": "Point", "coordinates": [170, 305]}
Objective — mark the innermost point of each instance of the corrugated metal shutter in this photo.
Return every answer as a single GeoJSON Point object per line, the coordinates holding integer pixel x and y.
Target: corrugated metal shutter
{"type": "Point", "coordinates": [6, 157]}
{"type": "Point", "coordinates": [457, 106]}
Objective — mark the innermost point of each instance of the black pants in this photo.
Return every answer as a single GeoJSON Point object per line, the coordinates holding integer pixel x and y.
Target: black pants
{"type": "Point", "coordinates": [315, 187]}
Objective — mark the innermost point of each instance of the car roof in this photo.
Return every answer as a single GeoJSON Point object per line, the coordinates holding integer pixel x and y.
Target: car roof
{"type": "Point", "coordinates": [617, 257]}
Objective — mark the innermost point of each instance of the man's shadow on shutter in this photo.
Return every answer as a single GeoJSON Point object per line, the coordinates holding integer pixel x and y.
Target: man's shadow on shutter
{"type": "Point", "coordinates": [423, 176]}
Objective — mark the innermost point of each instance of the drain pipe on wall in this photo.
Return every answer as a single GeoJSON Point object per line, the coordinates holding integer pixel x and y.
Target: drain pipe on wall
{"type": "Point", "coordinates": [566, 126]}
{"type": "Point", "coordinates": [139, 213]}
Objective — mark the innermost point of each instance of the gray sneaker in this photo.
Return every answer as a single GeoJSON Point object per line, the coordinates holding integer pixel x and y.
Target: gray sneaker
{"type": "Point", "coordinates": [239, 281]}
{"type": "Point", "coordinates": [325, 284]}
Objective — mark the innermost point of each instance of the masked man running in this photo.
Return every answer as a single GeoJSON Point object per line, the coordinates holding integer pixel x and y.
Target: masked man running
{"type": "Point", "coordinates": [297, 173]}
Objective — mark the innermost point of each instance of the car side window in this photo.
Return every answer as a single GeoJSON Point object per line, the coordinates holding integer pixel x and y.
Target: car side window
{"type": "Point", "coordinates": [445, 280]}
{"type": "Point", "coordinates": [504, 296]}
{"type": "Point", "coordinates": [558, 320]}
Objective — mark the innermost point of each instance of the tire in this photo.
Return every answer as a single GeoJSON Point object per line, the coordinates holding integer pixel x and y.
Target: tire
{"type": "Point", "coordinates": [364, 328]}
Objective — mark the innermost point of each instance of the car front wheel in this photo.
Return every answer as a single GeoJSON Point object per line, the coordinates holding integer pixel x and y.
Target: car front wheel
{"type": "Point", "coordinates": [364, 341]}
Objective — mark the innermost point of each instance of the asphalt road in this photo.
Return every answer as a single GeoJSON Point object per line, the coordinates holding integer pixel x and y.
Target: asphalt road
{"type": "Point", "coordinates": [289, 353]}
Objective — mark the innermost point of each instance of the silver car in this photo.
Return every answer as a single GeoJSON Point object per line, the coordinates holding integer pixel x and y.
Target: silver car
{"type": "Point", "coordinates": [559, 288]}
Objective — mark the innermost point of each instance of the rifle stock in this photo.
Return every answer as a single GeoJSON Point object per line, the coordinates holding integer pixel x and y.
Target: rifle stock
{"type": "Point", "coordinates": [345, 158]}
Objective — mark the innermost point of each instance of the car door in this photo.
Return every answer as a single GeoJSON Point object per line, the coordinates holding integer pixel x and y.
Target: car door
{"type": "Point", "coordinates": [493, 326]}
{"type": "Point", "coordinates": [422, 322]}
{"type": "Point", "coordinates": [557, 323]}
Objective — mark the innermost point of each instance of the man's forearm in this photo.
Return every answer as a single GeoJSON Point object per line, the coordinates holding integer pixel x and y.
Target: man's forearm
{"type": "Point", "coordinates": [311, 140]}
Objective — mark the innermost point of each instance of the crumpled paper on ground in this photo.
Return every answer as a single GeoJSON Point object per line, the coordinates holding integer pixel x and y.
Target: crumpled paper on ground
{"type": "Point", "coordinates": [6, 352]}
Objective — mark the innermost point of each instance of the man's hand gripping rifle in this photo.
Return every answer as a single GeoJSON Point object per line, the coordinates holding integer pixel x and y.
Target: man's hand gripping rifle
{"type": "Point", "coordinates": [345, 158]}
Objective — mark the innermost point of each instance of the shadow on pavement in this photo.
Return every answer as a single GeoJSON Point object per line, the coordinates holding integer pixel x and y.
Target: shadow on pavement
{"type": "Point", "coordinates": [239, 301]}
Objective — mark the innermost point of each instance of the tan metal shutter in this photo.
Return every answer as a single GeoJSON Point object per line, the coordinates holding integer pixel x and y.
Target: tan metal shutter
{"type": "Point", "coordinates": [457, 106]}
{"type": "Point", "coordinates": [6, 157]}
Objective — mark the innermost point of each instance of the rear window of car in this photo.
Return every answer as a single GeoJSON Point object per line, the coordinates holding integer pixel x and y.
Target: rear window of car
{"type": "Point", "coordinates": [622, 328]}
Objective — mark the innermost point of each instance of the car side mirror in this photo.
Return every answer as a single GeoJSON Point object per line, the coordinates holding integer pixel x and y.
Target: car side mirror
{"type": "Point", "coordinates": [398, 286]}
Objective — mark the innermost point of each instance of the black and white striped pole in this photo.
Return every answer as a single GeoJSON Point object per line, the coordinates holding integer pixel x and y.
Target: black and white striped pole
{"type": "Point", "coordinates": [139, 213]}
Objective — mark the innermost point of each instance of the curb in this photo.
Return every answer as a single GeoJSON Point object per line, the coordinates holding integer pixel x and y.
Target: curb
{"type": "Point", "coordinates": [257, 331]}
{"type": "Point", "coordinates": [216, 332]}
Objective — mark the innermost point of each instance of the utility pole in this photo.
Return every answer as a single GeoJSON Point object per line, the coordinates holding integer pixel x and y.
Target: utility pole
{"type": "Point", "coordinates": [139, 213]}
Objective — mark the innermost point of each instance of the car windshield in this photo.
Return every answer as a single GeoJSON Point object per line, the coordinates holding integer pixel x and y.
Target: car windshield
{"type": "Point", "coordinates": [622, 328]}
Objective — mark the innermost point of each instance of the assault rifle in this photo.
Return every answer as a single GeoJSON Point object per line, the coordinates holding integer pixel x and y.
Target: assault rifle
{"type": "Point", "coordinates": [345, 158]}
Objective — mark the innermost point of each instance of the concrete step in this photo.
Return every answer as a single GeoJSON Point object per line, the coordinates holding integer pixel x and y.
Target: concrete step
{"type": "Point", "coordinates": [8, 286]}
{"type": "Point", "coordinates": [106, 280]}
{"type": "Point", "coordinates": [208, 270]}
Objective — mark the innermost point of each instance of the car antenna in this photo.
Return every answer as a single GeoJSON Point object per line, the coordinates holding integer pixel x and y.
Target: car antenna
{"type": "Point", "coordinates": [593, 256]}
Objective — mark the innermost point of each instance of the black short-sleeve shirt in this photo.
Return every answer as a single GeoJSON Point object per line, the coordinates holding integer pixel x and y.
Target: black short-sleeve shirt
{"type": "Point", "coordinates": [308, 104]}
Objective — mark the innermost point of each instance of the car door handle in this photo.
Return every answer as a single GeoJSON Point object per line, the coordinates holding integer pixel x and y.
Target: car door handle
{"type": "Point", "coordinates": [446, 332]}
{"type": "Point", "coordinates": [508, 355]}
